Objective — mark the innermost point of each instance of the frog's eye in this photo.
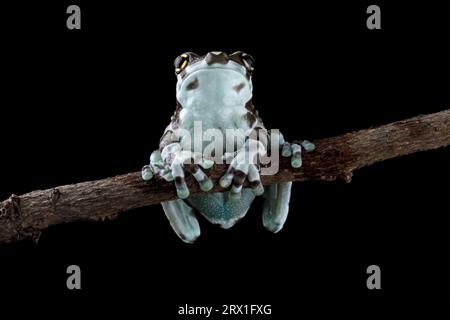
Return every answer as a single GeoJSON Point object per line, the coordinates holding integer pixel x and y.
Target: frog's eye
{"type": "Point", "coordinates": [244, 59]}
{"type": "Point", "coordinates": [248, 62]}
{"type": "Point", "coordinates": [181, 63]}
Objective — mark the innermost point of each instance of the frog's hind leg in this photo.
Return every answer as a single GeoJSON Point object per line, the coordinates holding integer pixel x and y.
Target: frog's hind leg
{"type": "Point", "coordinates": [276, 205]}
{"type": "Point", "coordinates": [182, 219]}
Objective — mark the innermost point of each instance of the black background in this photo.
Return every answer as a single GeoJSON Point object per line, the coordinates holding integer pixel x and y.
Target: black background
{"type": "Point", "coordinates": [83, 105]}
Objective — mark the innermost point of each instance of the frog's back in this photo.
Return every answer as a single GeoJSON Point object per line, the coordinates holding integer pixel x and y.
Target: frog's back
{"type": "Point", "coordinates": [219, 209]}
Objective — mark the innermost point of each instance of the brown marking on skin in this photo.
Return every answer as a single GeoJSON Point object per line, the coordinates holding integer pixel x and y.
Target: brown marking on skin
{"type": "Point", "coordinates": [250, 118]}
{"type": "Point", "coordinates": [179, 181]}
{"type": "Point", "coordinates": [178, 108]}
{"type": "Point", "coordinates": [239, 87]}
{"type": "Point", "coordinates": [239, 178]}
{"type": "Point", "coordinates": [195, 58]}
{"type": "Point", "coordinates": [237, 57]}
{"type": "Point", "coordinates": [249, 106]}
{"type": "Point", "coordinates": [191, 168]}
{"type": "Point", "coordinates": [175, 118]}
{"type": "Point", "coordinates": [192, 85]}
{"type": "Point", "coordinates": [259, 132]}
{"type": "Point", "coordinates": [219, 57]}
{"type": "Point", "coordinates": [255, 183]}
{"type": "Point", "coordinates": [167, 138]}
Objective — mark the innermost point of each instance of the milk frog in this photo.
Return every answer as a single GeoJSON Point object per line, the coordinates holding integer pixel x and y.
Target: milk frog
{"type": "Point", "coordinates": [214, 91]}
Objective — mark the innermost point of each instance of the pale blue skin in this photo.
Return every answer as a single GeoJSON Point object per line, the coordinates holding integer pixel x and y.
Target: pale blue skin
{"type": "Point", "coordinates": [217, 103]}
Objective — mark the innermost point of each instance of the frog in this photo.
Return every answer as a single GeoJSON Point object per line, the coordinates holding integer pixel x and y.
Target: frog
{"type": "Point", "coordinates": [216, 90]}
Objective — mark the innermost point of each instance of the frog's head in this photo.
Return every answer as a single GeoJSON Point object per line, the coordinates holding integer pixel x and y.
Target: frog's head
{"type": "Point", "coordinates": [215, 79]}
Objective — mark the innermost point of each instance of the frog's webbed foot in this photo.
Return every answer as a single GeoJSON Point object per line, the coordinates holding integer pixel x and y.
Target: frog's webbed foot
{"type": "Point", "coordinates": [294, 150]}
{"type": "Point", "coordinates": [276, 205]}
{"type": "Point", "coordinates": [182, 219]}
{"type": "Point", "coordinates": [172, 163]}
{"type": "Point", "coordinates": [242, 167]}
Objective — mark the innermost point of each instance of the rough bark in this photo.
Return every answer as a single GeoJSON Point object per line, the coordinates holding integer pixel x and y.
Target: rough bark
{"type": "Point", "coordinates": [27, 215]}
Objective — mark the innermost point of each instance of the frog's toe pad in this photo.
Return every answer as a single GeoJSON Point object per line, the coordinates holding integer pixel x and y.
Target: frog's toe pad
{"type": "Point", "coordinates": [308, 146]}
{"type": "Point", "coordinates": [147, 173]}
{"type": "Point", "coordinates": [255, 180]}
{"type": "Point", "coordinates": [183, 194]}
{"type": "Point", "coordinates": [296, 159]}
{"type": "Point", "coordinates": [206, 185]}
{"type": "Point", "coordinates": [294, 150]}
{"type": "Point", "coordinates": [207, 163]}
{"type": "Point", "coordinates": [286, 150]}
{"type": "Point", "coordinates": [226, 180]}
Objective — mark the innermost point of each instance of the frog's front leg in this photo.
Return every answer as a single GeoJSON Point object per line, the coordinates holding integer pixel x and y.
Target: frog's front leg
{"type": "Point", "coordinates": [181, 161]}
{"type": "Point", "coordinates": [242, 167]}
{"type": "Point", "coordinates": [169, 166]}
{"type": "Point", "coordinates": [172, 163]}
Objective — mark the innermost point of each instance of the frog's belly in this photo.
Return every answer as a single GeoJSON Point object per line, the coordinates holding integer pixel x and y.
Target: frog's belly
{"type": "Point", "coordinates": [218, 209]}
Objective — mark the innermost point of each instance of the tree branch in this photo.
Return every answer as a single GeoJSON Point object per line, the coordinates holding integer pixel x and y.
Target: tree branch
{"type": "Point", "coordinates": [29, 214]}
